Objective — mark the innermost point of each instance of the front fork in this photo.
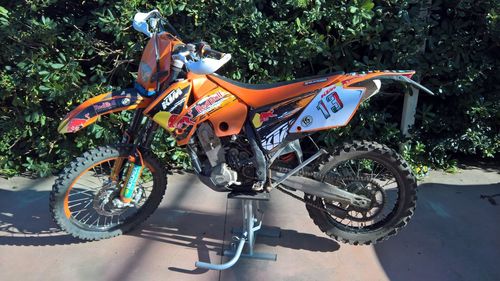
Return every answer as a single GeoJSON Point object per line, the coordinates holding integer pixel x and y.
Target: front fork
{"type": "Point", "coordinates": [132, 176]}
{"type": "Point", "coordinates": [133, 137]}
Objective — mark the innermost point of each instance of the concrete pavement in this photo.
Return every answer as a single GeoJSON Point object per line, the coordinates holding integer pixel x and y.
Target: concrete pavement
{"type": "Point", "coordinates": [454, 235]}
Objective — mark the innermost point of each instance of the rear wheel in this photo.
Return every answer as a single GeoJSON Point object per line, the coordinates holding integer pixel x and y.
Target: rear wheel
{"type": "Point", "coordinates": [83, 202]}
{"type": "Point", "coordinates": [376, 172]}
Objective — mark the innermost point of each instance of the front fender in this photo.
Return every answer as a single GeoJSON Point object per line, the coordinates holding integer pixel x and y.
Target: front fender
{"type": "Point", "coordinates": [89, 111]}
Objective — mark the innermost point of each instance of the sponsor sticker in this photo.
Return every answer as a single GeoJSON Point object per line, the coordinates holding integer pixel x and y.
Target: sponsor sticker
{"type": "Point", "coordinates": [75, 124]}
{"type": "Point", "coordinates": [104, 106]}
{"type": "Point", "coordinates": [170, 98]}
{"type": "Point", "coordinates": [276, 137]}
{"type": "Point", "coordinates": [260, 118]}
{"type": "Point", "coordinates": [333, 103]}
{"type": "Point", "coordinates": [125, 101]}
{"type": "Point", "coordinates": [306, 121]}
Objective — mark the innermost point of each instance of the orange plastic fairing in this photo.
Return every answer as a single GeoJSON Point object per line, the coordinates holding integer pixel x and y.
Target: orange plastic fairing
{"type": "Point", "coordinates": [230, 119]}
{"type": "Point", "coordinates": [201, 85]}
{"type": "Point", "coordinates": [89, 111]}
{"type": "Point", "coordinates": [146, 75]}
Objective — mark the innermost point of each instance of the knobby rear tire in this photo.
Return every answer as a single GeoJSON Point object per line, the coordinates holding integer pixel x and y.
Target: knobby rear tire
{"type": "Point", "coordinates": [406, 202]}
{"type": "Point", "coordinates": [79, 166]}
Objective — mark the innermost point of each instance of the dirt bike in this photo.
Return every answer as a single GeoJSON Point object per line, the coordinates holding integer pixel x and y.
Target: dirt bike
{"type": "Point", "coordinates": [241, 138]}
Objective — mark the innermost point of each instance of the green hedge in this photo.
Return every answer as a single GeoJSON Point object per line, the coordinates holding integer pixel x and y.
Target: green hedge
{"type": "Point", "coordinates": [55, 54]}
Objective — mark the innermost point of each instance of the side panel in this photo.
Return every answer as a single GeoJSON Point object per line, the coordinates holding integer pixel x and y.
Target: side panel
{"type": "Point", "coordinates": [88, 112]}
{"type": "Point", "coordinates": [273, 122]}
{"type": "Point", "coordinates": [167, 107]}
{"type": "Point", "coordinates": [229, 120]}
{"type": "Point", "coordinates": [226, 122]}
{"type": "Point", "coordinates": [201, 85]}
{"type": "Point", "coordinates": [215, 101]}
{"type": "Point", "coordinates": [332, 107]}
{"type": "Point", "coordinates": [177, 111]}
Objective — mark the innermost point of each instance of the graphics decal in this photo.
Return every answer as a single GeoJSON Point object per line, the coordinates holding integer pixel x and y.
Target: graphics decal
{"type": "Point", "coordinates": [170, 98]}
{"type": "Point", "coordinates": [330, 102]}
{"type": "Point", "coordinates": [276, 137]}
{"type": "Point", "coordinates": [104, 106]}
{"type": "Point", "coordinates": [75, 124]}
{"type": "Point", "coordinates": [172, 121]}
{"type": "Point", "coordinates": [208, 104]}
{"type": "Point", "coordinates": [332, 107]}
{"type": "Point", "coordinates": [108, 102]}
{"type": "Point", "coordinates": [259, 118]}
{"type": "Point", "coordinates": [125, 101]}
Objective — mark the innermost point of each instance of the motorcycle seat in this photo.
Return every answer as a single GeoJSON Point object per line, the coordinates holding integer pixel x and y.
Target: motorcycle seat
{"type": "Point", "coordinates": [257, 95]}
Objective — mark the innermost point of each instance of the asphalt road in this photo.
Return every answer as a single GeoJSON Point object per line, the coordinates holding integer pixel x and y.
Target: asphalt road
{"type": "Point", "coordinates": [454, 235]}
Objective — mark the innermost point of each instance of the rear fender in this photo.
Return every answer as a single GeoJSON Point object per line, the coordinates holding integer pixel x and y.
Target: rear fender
{"type": "Point", "coordinates": [336, 104]}
{"type": "Point", "coordinates": [89, 111]}
{"type": "Point", "coordinates": [371, 81]}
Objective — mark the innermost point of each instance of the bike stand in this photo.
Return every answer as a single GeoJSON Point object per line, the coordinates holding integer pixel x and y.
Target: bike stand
{"type": "Point", "coordinates": [251, 228]}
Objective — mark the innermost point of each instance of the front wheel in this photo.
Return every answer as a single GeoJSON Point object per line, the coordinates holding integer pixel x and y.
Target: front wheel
{"type": "Point", "coordinates": [82, 197]}
{"type": "Point", "coordinates": [376, 172]}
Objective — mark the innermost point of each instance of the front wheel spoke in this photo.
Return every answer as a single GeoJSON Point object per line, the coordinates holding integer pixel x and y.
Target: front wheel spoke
{"type": "Point", "coordinates": [75, 215]}
{"type": "Point", "coordinates": [74, 205]}
{"type": "Point", "coordinates": [79, 200]}
{"type": "Point", "coordinates": [80, 192]}
{"type": "Point", "coordinates": [84, 217]}
{"type": "Point", "coordinates": [85, 222]}
{"type": "Point", "coordinates": [86, 206]}
{"type": "Point", "coordinates": [96, 221]}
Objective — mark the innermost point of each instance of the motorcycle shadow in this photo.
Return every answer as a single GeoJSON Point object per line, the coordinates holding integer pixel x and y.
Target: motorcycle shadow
{"type": "Point", "coordinates": [25, 220]}
{"type": "Point", "coordinates": [206, 232]}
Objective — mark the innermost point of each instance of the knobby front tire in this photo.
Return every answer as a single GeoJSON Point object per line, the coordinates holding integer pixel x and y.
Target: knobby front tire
{"type": "Point", "coordinates": [83, 182]}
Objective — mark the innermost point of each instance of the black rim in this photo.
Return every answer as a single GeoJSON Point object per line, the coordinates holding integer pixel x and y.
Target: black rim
{"type": "Point", "coordinates": [371, 177]}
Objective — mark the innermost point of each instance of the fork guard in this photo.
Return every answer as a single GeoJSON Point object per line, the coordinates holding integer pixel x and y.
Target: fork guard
{"type": "Point", "coordinates": [89, 111]}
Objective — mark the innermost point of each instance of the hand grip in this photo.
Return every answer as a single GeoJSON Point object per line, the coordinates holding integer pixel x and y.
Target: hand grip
{"type": "Point", "coordinates": [216, 54]}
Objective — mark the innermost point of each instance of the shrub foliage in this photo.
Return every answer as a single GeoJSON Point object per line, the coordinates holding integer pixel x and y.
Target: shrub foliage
{"type": "Point", "coordinates": [57, 53]}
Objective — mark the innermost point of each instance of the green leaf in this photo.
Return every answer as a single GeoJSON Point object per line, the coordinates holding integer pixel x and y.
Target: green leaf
{"type": "Point", "coordinates": [368, 5]}
{"type": "Point", "coordinates": [56, 65]}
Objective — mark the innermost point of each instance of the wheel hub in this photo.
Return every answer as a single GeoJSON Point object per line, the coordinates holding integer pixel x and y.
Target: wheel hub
{"type": "Point", "coordinates": [371, 190]}
{"type": "Point", "coordinates": [103, 200]}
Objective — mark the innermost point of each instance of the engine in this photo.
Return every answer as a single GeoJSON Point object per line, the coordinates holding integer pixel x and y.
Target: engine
{"type": "Point", "coordinates": [225, 163]}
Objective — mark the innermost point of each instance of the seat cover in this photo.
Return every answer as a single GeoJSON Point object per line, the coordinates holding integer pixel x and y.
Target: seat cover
{"type": "Point", "coordinates": [258, 95]}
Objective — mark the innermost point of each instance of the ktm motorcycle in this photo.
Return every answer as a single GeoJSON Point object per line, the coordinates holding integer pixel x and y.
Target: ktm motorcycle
{"type": "Point", "coordinates": [241, 138]}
